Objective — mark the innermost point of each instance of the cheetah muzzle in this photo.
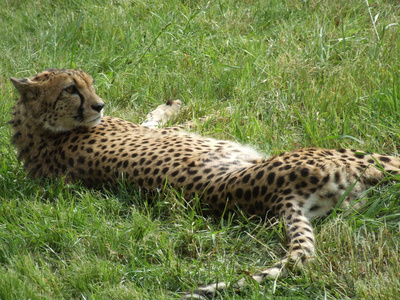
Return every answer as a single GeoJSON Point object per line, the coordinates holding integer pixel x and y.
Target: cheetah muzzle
{"type": "Point", "coordinates": [59, 131]}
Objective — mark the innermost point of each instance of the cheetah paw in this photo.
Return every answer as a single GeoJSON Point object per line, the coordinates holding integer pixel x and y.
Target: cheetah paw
{"type": "Point", "coordinates": [162, 114]}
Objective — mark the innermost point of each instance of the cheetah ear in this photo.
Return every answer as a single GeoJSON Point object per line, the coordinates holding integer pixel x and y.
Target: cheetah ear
{"type": "Point", "coordinates": [22, 85]}
{"type": "Point", "coordinates": [25, 86]}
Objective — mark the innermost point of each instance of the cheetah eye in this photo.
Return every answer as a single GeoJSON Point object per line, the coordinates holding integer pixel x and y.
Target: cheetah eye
{"type": "Point", "coordinates": [71, 89]}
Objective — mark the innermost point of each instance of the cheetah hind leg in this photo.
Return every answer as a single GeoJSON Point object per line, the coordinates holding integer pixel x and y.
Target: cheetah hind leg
{"type": "Point", "coordinates": [162, 114]}
{"type": "Point", "coordinates": [209, 291]}
{"type": "Point", "coordinates": [279, 270]}
{"type": "Point", "coordinates": [301, 249]}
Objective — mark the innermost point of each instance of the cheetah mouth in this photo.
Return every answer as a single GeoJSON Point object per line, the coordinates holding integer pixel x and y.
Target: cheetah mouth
{"type": "Point", "coordinates": [91, 119]}
{"type": "Point", "coordinates": [94, 120]}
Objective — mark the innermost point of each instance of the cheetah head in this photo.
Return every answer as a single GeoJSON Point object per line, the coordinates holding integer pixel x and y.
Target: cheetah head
{"type": "Point", "coordinates": [60, 100]}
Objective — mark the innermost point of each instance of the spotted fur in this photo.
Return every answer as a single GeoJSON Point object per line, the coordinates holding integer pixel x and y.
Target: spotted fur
{"type": "Point", "coordinates": [60, 131]}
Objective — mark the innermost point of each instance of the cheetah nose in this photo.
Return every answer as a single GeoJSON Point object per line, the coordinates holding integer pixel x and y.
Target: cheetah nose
{"type": "Point", "coordinates": [98, 107]}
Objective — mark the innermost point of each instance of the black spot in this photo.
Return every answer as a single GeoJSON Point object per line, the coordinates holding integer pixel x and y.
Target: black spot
{"type": "Point", "coordinates": [232, 180]}
{"type": "Point", "coordinates": [292, 176]}
{"type": "Point", "coordinates": [192, 171]}
{"type": "Point", "coordinates": [287, 191]}
{"type": "Point", "coordinates": [315, 207]}
{"type": "Point", "coordinates": [274, 198]}
{"type": "Point", "coordinates": [256, 191]}
{"type": "Point", "coordinates": [267, 197]}
{"type": "Point", "coordinates": [81, 159]}
{"type": "Point", "coordinates": [246, 178]}
{"type": "Point", "coordinates": [221, 187]}
{"type": "Point", "coordinates": [280, 181]}
{"type": "Point", "coordinates": [159, 163]}
{"type": "Point", "coordinates": [247, 195]}
{"type": "Point", "coordinates": [289, 205]}
{"type": "Point", "coordinates": [277, 164]}
{"type": "Point", "coordinates": [271, 178]}
{"type": "Point", "coordinates": [264, 190]}
{"type": "Point", "coordinates": [314, 180]}
{"type": "Point", "coordinates": [260, 175]}
{"type": "Point", "coordinates": [71, 161]}
{"type": "Point", "coordinates": [304, 172]}
{"type": "Point", "coordinates": [384, 159]}
{"type": "Point", "coordinates": [74, 139]}
{"type": "Point", "coordinates": [239, 193]}
{"type": "Point", "coordinates": [197, 178]}
{"type": "Point", "coordinates": [159, 180]}
{"type": "Point", "coordinates": [326, 178]}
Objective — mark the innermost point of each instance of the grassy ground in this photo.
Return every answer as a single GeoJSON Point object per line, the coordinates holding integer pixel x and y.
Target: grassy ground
{"type": "Point", "coordinates": [296, 73]}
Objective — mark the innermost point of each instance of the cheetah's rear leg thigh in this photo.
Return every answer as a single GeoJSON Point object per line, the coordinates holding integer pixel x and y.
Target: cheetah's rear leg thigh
{"type": "Point", "coordinates": [163, 113]}
{"type": "Point", "coordinates": [301, 248]}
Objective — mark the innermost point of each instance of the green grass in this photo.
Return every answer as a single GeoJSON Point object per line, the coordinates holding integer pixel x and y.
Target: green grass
{"type": "Point", "coordinates": [296, 74]}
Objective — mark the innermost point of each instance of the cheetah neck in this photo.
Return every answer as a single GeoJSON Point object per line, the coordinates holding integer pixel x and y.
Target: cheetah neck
{"type": "Point", "coordinates": [29, 137]}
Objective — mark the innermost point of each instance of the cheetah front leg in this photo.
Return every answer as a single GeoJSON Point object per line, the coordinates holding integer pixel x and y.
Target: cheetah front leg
{"type": "Point", "coordinates": [162, 114]}
{"type": "Point", "coordinates": [301, 248]}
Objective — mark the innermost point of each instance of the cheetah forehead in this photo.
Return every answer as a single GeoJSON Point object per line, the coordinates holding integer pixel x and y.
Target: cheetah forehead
{"type": "Point", "coordinates": [74, 75]}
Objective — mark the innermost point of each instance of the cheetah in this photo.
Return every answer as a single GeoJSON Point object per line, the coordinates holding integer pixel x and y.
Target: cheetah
{"type": "Point", "coordinates": [60, 132]}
